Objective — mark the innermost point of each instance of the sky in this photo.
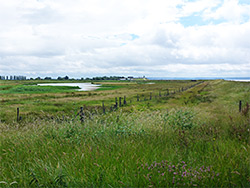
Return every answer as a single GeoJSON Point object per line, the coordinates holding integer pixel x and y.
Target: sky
{"type": "Point", "coordinates": [155, 38]}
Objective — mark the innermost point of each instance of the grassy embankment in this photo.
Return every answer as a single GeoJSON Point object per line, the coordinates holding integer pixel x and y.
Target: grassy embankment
{"type": "Point", "coordinates": [194, 138]}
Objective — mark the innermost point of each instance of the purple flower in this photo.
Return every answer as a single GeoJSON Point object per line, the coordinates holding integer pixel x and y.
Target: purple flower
{"type": "Point", "coordinates": [173, 180]}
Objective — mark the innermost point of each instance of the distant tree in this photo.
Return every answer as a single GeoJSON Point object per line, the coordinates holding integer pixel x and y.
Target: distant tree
{"type": "Point", "coordinates": [59, 78]}
{"type": "Point", "coordinates": [47, 78]}
{"type": "Point", "coordinates": [66, 78]}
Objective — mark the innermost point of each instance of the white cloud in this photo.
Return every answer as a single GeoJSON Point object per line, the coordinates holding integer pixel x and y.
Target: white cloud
{"type": "Point", "coordinates": [230, 11]}
{"type": "Point", "coordinates": [88, 38]}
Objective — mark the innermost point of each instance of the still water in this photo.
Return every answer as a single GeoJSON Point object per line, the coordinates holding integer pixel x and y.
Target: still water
{"type": "Point", "coordinates": [82, 86]}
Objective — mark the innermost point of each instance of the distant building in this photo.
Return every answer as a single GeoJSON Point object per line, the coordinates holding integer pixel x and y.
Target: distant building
{"type": "Point", "coordinates": [12, 77]}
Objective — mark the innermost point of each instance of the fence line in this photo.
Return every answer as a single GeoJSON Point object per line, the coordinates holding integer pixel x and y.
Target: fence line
{"type": "Point", "coordinates": [119, 103]}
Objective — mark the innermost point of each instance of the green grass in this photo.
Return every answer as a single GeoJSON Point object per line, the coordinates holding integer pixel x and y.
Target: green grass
{"type": "Point", "coordinates": [193, 138]}
{"type": "Point", "coordinates": [34, 89]}
{"type": "Point", "coordinates": [105, 87]}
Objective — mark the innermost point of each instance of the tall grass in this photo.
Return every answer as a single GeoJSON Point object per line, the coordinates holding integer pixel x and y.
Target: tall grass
{"type": "Point", "coordinates": [146, 148]}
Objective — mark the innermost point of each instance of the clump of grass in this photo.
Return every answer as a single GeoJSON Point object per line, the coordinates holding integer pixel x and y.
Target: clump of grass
{"type": "Point", "coordinates": [182, 118]}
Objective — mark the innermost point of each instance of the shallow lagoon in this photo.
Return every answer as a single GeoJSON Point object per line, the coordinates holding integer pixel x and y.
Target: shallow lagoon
{"type": "Point", "coordinates": [82, 86]}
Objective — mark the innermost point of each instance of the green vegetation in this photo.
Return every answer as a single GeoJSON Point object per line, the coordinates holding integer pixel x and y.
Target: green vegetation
{"type": "Point", "coordinates": [196, 137]}
{"type": "Point", "coordinates": [27, 89]}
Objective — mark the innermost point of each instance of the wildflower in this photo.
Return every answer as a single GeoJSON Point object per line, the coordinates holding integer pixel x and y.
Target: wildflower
{"type": "Point", "coordinates": [173, 180]}
{"type": "Point", "coordinates": [184, 174]}
{"type": "Point", "coordinates": [163, 174]}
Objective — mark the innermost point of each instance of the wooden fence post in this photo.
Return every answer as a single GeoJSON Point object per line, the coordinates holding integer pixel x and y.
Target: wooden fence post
{"type": "Point", "coordinates": [240, 105]}
{"type": "Point", "coordinates": [17, 114]}
{"type": "Point", "coordinates": [138, 99]}
{"type": "Point", "coordinates": [103, 107]}
{"type": "Point", "coordinates": [167, 92]}
{"type": "Point", "coordinates": [120, 101]}
{"type": "Point", "coordinates": [124, 100]}
{"type": "Point", "coordinates": [159, 93]}
{"type": "Point", "coordinates": [116, 103]}
{"type": "Point", "coordinates": [81, 115]}
{"type": "Point", "coordinates": [150, 97]}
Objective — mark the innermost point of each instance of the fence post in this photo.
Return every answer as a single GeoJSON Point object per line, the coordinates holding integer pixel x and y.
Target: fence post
{"type": "Point", "coordinates": [138, 99]}
{"type": "Point", "coordinates": [167, 92]}
{"type": "Point", "coordinates": [150, 97]}
{"type": "Point", "coordinates": [240, 105]}
{"type": "Point", "coordinates": [120, 101]}
{"type": "Point", "coordinates": [81, 115]}
{"type": "Point", "coordinates": [103, 107]}
{"type": "Point", "coordinates": [116, 103]}
{"type": "Point", "coordinates": [17, 114]}
{"type": "Point", "coordinates": [159, 93]}
{"type": "Point", "coordinates": [124, 100]}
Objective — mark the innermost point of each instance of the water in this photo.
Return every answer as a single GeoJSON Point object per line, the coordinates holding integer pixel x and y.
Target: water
{"type": "Point", "coordinates": [238, 79]}
{"type": "Point", "coordinates": [82, 86]}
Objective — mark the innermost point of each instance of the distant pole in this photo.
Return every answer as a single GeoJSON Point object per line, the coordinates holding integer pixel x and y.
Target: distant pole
{"type": "Point", "coordinates": [167, 92]}
{"type": "Point", "coordinates": [120, 101]}
{"type": "Point", "coordinates": [240, 105]}
{"type": "Point", "coordinates": [116, 103]}
{"type": "Point", "coordinates": [124, 100]}
{"type": "Point", "coordinates": [17, 114]}
{"type": "Point", "coordinates": [159, 93]}
{"type": "Point", "coordinates": [81, 115]}
{"type": "Point", "coordinates": [150, 97]}
{"type": "Point", "coordinates": [138, 98]}
{"type": "Point", "coordinates": [103, 107]}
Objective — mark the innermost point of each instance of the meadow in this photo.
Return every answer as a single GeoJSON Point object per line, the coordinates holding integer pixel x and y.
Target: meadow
{"type": "Point", "coordinates": [194, 137]}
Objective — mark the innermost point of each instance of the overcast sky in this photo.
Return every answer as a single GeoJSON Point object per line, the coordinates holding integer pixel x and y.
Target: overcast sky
{"type": "Point", "coordinates": [163, 38]}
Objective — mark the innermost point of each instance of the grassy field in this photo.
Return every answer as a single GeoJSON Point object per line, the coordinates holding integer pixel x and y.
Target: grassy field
{"type": "Point", "coordinates": [196, 137]}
